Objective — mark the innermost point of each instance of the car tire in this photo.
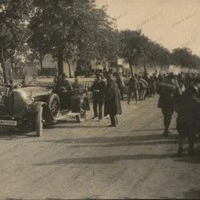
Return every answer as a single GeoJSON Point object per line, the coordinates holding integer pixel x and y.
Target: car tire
{"type": "Point", "coordinates": [54, 105]}
{"type": "Point", "coordinates": [39, 122]}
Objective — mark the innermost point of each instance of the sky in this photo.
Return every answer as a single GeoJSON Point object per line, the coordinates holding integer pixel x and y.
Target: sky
{"type": "Point", "coordinates": [172, 23]}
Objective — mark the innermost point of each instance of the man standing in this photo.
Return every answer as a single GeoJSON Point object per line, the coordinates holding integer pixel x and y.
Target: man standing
{"type": "Point", "coordinates": [132, 88]}
{"type": "Point", "coordinates": [112, 100]}
{"type": "Point", "coordinates": [120, 84]}
{"type": "Point", "coordinates": [188, 124]}
{"type": "Point", "coordinates": [98, 89]}
{"type": "Point", "coordinates": [168, 91]}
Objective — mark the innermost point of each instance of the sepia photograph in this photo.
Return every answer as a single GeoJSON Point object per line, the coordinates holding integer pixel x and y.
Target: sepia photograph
{"type": "Point", "coordinates": [99, 99]}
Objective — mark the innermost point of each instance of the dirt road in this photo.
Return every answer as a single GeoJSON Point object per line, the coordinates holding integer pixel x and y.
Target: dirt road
{"type": "Point", "coordinates": [91, 160]}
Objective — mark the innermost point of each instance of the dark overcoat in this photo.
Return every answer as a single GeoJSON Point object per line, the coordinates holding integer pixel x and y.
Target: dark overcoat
{"type": "Point", "coordinates": [112, 104]}
{"type": "Point", "coordinates": [167, 91]}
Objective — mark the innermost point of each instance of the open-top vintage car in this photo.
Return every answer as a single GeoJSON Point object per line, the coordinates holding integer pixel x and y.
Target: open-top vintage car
{"type": "Point", "coordinates": [37, 106]}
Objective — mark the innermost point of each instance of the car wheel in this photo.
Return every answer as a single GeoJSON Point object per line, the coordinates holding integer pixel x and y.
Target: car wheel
{"type": "Point", "coordinates": [81, 117]}
{"type": "Point", "coordinates": [54, 105]}
{"type": "Point", "coordinates": [39, 122]}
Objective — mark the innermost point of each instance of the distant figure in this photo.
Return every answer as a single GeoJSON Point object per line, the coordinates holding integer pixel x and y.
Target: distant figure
{"type": "Point", "coordinates": [132, 89]}
{"type": "Point", "coordinates": [112, 100]}
{"type": "Point", "coordinates": [152, 86]}
{"type": "Point", "coordinates": [120, 84]}
{"type": "Point", "coordinates": [34, 80]}
{"type": "Point", "coordinates": [78, 86]}
{"type": "Point", "coordinates": [142, 88]}
{"type": "Point", "coordinates": [62, 83]}
{"type": "Point", "coordinates": [188, 119]}
{"type": "Point", "coordinates": [98, 89]}
{"type": "Point", "coordinates": [168, 91]}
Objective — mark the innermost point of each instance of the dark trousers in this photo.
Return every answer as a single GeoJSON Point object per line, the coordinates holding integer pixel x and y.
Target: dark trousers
{"type": "Point", "coordinates": [167, 113]}
{"type": "Point", "coordinates": [113, 119]}
{"type": "Point", "coordinates": [97, 108]}
{"type": "Point", "coordinates": [130, 92]}
{"type": "Point", "coordinates": [121, 93]}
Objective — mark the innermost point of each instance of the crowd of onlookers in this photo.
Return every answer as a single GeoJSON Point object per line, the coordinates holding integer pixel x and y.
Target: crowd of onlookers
{"type": "Point", "coordinates": [178, 93]}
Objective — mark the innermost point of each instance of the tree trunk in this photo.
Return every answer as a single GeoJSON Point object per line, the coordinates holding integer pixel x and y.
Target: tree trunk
{"type": "Point", "coordinates": [145, 69]}
{"type": "Point", "coordinates": [131, 68]}
{"type": "Point", "coordinates": [41, 63]}
{"type": "Point", "coordinates": [70, 73]}
{"type": "Point", "coordinates": [60, 62]}
{"type": "Point", "coordinates": [3, 65]}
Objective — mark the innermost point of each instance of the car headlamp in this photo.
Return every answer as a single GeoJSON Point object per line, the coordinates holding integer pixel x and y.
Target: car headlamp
{"type": "Point", "coordinates": [29, 100]}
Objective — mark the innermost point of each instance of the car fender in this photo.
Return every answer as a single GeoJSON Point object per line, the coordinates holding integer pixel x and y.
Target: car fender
{"type": "Point", "coordinates": [33, 109]}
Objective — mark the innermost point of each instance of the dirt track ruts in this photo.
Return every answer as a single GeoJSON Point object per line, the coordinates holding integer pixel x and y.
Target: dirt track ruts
{"type": "Point", "coordinates": [90, 160]}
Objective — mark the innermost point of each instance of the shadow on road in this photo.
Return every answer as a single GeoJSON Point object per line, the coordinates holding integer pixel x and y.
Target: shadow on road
{"type": "Point", "coordinates": [120, 144]}
{"type": "Point", "coordinates": [192, 159]}
{"type": "Point", "coordinates": [150, 130]}
{"type": "Point", "coordinates": [107, 159]}
{"type": "Point", "coordinates": [116, 139]}
{"type": "Point", "coordinates": [11, 133]}
{"type": "Point", "coordinates": [192, 194]}
{"type": "Point", "coordinates": [75, 126]}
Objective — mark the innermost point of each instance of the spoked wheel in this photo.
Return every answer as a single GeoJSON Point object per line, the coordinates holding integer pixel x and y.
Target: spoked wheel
{"type": "Point", "coordinates": [81, 117]}
{"type": "Point", "coordinates": [39, 122]}
{"type": "Point", "coordinates": [54, 105]}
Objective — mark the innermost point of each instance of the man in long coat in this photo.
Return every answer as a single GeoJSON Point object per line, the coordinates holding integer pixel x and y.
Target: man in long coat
{"type": "Point", "coordinates": [188, 118]}
{"type": "Point", "coordinates": [112, 106]}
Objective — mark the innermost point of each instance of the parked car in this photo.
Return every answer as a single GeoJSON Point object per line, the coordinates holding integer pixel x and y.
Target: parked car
{"type": "Point", "coordinates": [37, 106]}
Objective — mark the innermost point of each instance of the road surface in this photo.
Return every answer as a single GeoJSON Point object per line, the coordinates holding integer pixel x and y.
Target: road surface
{"type": "Point", "coordinates": [91, 160]}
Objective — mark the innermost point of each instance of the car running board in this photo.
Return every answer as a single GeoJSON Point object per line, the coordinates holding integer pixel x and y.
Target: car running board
{"type": "Point", "coordinates": [64, 115]}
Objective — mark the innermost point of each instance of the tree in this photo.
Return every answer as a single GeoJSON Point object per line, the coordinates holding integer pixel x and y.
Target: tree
{"type": "Point", "coordinates": [182, 57]}
{"type": "Point", "coordinates": [137, 48]}
{"type": "Point", "coordinates": [13, 14]}
{"type": "Point", "coordinates": [130, 47]}
{"type": "Point", "coordinates": [70, 29]}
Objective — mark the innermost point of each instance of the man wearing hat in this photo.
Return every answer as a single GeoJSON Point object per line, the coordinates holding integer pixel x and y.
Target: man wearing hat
{"type": "Point", "coordinates": [98, 89]}
{"type": "Point", "coordinates": [112, 100]}
{"type": "Point", "coordinates": [63, 83]}
{"type": "Point", "coordinates": [188, 118]}
{"type": "Point", "coordinates": [168, 90]}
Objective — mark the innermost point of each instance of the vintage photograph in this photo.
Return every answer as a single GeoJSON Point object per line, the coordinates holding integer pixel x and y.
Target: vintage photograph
{"type": "Point", "coordinates": [99, 99]}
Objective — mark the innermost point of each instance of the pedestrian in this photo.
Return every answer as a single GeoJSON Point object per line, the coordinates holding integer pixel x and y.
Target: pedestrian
{"type": "Point", "coordinates": [188, 118]}
{"type": "Point", "coordinates": [132, 89]}
{"type": "Point", "coordinates": [143, 85]}
{"type": "Point", "coordinates": [98, 89]}
{"type": "Point", "coordinates": [112, 100]}
{"type": "Point", "coordinates": [152, 86]}
{"type": "Point", "coordinates": [168, 91]}
{"type": "Point", "coordinates": [120, 84]}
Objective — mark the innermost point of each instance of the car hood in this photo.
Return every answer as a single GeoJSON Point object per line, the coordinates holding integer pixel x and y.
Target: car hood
{"type": "Point", "coordinates": [35, 91]}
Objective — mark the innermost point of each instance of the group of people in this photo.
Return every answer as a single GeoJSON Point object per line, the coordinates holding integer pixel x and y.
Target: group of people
{"type": "Point", "coordinates": [181, 94]}
{"type": "Point", "coordinates": [104, 93]}
{"type": "Point", "coordinates": [107, 94]}
{"type": "Point", "coordinates": [177, 93]}
{"type": "Point", "coordinates": [139, 87]}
